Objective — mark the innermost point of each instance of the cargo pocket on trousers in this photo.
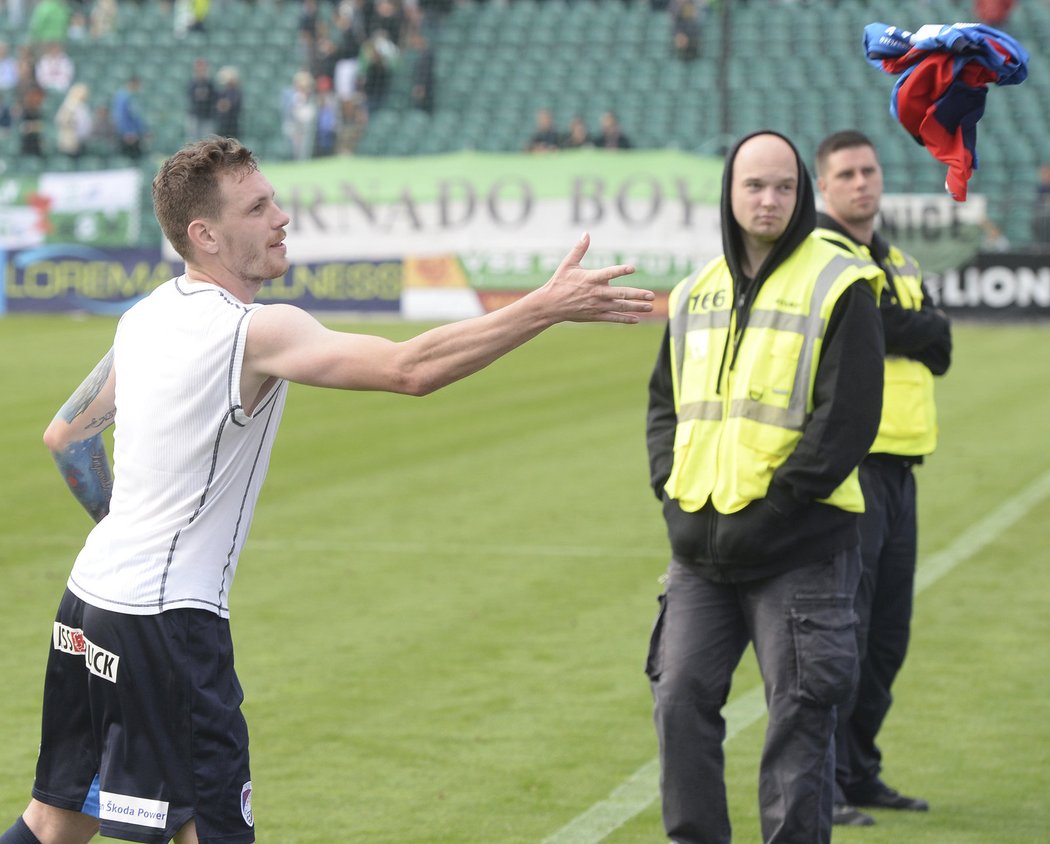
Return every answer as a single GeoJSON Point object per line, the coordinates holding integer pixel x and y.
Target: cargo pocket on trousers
{"type": "Point", "coordinates": [826, 663]}
{"type": "Point", "coordinates": [653, 661]}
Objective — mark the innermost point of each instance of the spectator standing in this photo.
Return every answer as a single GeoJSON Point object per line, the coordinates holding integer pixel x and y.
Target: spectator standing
{"type": "Point", "coordinates": [423, 74]}
{"type": "Point", "coordinates": [300, 116]}
{"type": "Point", "coordinates": [26, 71]}
{"type": "Point", "coordinates": [201, 95]}
{"type": "Point", "coordinates": [348, 82]}
{"type": "Point", "coordinates": [74, 122]}
{"type": "Point", "coordinates": [610, 135]}
{"type": "Point", "coordinates": [228, 102]}
{"type": "Point", "coordinates": [7, 116]}
{"type": "Point", "coordinates": [545, 137]}
{"type": "Point", "coordinates": [102, 19]}
{"type": "Point", "coordinates": [49, 22]}
{"type": "Point", "coordinates": [8, 68]}
{"type": "Point", "coordinates": [128, 121]}
{"type": "Point", "coordinates": [350, 36]}
{"type": "Point", "coordinates": [31, 122]}
{"type": "Point", "coordinates": [685, 36]}
{"type": "Point", "coordinates": [54, 69]}
{"type": "Point", "coordinates": [918, 344]}
{"type": "Point", "coordinates": [328, 117]}
{"type": "Point", "coordinates": [376, 67]}
{"type": "Point", "coordinates": [307, 32]}
{"type": "Point", "coordinates": [103, 140]}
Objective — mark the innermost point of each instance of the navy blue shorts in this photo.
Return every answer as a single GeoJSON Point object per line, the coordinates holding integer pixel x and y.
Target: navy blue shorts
{"type": "Point", "coordinates": [142, 725]}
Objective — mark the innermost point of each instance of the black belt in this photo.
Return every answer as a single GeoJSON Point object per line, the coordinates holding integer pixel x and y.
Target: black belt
{"type": "Point", "coordinates": [900, 460]}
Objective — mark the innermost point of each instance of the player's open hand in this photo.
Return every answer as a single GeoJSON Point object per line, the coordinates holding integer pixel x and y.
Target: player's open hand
{"type": "Point", "coordinates": [582, 295]}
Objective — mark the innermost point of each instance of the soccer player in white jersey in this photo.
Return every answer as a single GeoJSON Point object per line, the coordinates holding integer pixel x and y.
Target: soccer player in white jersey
{"type": "Point", "coordinates": [143, 737]}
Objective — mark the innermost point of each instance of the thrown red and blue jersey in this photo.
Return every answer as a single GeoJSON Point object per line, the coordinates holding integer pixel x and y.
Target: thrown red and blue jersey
{"type": "Point", "coordinates": [944, 76]}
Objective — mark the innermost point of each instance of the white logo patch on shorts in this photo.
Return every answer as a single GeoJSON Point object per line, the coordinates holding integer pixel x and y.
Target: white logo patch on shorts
{"type": "Point", "coordinates": [246, 803]}
{"type": "Point", "coordinates": [134, 810]}
{"type": "Point", "coordinates": [99, 661]}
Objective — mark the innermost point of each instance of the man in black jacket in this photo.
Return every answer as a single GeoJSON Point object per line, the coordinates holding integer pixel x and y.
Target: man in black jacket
{"type": "Point", "coordinates": [765, 396]}
{"type": "Point", "coordinates": [201, 95]}
{"type": "Point", "coordinates": [918, 347]}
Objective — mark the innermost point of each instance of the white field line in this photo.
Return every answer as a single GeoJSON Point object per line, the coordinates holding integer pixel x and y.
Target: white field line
{"type": "Point", "coordinates": [641, 789]}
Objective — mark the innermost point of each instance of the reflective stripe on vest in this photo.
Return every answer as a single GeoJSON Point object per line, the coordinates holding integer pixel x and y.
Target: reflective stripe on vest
{"type": "Point", "coordinates": [683, 322]}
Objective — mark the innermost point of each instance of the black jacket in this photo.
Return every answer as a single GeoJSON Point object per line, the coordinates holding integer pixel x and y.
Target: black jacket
{"type": "Point", "coordinates": [788, 528]}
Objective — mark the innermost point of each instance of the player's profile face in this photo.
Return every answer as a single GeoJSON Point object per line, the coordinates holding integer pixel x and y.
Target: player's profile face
{"type": "Point", "coordinates": [851, 184]}
{"type": "Point", "coordinates": [251, 229]}
{"type": "Point", "coordinates": [764, 187]}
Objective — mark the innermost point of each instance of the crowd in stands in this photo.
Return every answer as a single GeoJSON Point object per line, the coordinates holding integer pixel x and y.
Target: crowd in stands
{"type": "Point", "coordinates": [347, 68]}
{"type": "Point", "coordinates": [347, 52]}
{"type": "Point", "coordinates": [39, 69]}
{"type": "Point", "coordinates": [547, 138]}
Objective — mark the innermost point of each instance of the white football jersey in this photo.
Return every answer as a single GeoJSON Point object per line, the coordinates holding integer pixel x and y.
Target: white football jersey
{"type": "Point", "coordinates": [188, 462]}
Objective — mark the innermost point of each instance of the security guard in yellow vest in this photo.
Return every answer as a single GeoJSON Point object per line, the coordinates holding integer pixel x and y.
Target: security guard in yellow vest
{"type": "Point", "coordinates": [765, 396]}
{"type": "Point", "coordinates": [918, 347]}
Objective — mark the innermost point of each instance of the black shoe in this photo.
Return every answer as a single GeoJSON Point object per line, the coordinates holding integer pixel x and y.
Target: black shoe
{"type": "Point", "coordinates": [878, 795]}
{"type": "Point", "coordinates": [842, 814]}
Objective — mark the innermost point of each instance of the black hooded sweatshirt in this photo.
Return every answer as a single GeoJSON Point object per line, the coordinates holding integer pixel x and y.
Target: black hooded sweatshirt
{"type": "Point", "coordinates": [788, 528]}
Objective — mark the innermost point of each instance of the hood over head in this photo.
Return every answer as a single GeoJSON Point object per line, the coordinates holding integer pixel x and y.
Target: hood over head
{"type": "Point", "coordinates": [803, 219]}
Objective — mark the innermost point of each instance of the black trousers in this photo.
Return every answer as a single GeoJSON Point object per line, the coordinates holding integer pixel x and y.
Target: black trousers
{"type": "Point", "coordinates": [884, 607]}
{"type": "Point", "coordinates": [801, 625]}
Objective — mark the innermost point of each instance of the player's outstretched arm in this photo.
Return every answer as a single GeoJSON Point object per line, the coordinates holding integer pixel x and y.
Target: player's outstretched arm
{"type": "Point", "coordinates": [74, 438]}
{"type": "Point", "coordinates": [285, 342]}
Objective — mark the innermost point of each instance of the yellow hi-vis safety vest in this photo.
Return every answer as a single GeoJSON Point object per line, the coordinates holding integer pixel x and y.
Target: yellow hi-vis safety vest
{"type": "Point", "coordinates": [909, 415]}
{"type": "Point", "coordinates": [739, 421]}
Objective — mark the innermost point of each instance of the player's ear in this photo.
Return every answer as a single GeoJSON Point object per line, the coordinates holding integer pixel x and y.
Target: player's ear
{"type": "Point", "coordinates": [202, 237]}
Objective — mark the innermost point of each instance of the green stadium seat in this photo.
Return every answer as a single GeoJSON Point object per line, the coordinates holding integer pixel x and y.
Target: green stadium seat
{"type": "Point", "coordinates": [25, 165]}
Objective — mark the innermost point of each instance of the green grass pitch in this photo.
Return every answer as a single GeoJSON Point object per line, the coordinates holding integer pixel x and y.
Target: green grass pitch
{"type": "Point", "coordinates": [442, 614]}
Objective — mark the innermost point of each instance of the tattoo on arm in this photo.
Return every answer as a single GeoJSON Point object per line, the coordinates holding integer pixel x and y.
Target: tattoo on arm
{"type": "Point", "coordinates": [87, 392]}
{"type": "Point", "coordinates": [101, 422]}
{"type": "Point", "coordinates": [85, 468]}
{"type": "Point", "coordinates": [83, 463]}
